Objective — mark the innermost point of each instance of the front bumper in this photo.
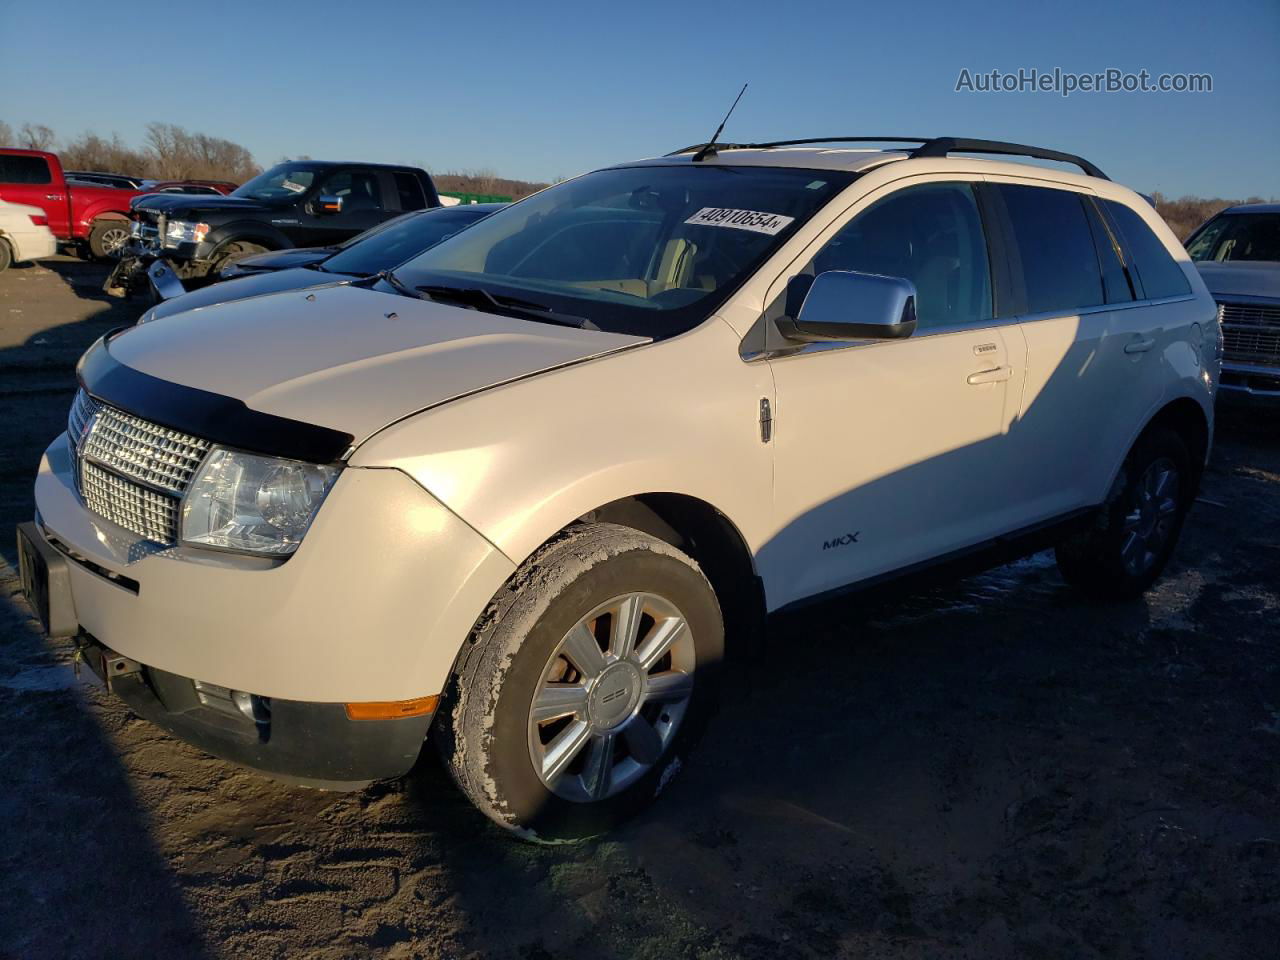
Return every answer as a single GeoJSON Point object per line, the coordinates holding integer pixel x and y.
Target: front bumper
{"type": "Point", "coordinates": [311, 743]}
{"type": "Point", "coordinates": [373, 606]}
{"type": "Point", "coordinates": [1255, 380]}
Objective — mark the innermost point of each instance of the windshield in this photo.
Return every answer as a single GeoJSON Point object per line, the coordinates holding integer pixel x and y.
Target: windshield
{"type": "Point", "coordinates": [1237, 236]}
{"type": "Point", "coordinates": [282, 180]}
{"type": "Point", "coordinates": [396, 241]}
{"type": "Point", "coordinates": [648, 250]}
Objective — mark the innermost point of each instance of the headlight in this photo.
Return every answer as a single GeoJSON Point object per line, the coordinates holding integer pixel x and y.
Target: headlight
{"type": "Point", "coordinates": [241, 501]}
{"type": "Point", "coordinates": [184, 231]}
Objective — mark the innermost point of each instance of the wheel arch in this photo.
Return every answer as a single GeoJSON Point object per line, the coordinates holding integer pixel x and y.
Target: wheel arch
{"type": "Point", "coordinates": [247, 232]}
{"type": "Point", "coordinates": [1187, 418]}
{"type": "Point", "coordinates": [714, 542]}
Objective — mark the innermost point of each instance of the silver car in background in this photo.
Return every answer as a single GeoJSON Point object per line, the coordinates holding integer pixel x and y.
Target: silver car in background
{"type": "Point", "coordinates": [1238, 255]}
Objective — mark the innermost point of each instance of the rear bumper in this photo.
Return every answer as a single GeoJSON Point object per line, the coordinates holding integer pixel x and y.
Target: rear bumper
{"type": "Point", "coordinates": [32, 245]}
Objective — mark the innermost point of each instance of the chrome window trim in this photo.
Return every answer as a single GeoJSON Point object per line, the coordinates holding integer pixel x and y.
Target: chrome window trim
{"type": "Point", "coordinates": [996, 323]}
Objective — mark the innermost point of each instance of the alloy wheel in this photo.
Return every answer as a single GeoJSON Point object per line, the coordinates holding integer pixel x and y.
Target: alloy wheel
{"type": "Point", "coordinates": [1153, 512]}
{"type": "Point", "coordinates": [611, 697]}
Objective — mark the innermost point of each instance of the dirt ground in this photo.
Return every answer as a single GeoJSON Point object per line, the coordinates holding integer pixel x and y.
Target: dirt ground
{"type": "Point", "coordinates": [997, 769]}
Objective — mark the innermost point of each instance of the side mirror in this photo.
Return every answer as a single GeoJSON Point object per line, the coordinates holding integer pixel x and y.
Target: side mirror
{"type": "Point", "coordinates": [843, 305]}
{"type": "Point", "coordinates": [326, 205]}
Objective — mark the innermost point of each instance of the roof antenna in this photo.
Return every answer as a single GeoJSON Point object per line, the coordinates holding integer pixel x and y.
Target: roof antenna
{"type": "Point", "coordinates": [709, 147]}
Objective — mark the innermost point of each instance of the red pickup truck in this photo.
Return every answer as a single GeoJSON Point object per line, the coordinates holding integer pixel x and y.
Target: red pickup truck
{"type": "Point", "coordinates": [79, 215]}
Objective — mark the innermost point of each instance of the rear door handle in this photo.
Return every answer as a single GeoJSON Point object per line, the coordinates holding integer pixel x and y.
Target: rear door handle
{"type": "Point", "coordinates": [1140, 346]}
{"type": "Point", "coordinates": [994, 375]}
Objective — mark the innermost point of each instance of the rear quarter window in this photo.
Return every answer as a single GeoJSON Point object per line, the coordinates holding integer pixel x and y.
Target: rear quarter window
{"type": "Point", "coordinates": [1156, 271]}
{"type": "Point", "coordinates": [18, 169]}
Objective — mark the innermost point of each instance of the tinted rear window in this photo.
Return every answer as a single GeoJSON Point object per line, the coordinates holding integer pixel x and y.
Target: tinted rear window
{"type": "Point", "coordinates": [1053, 241]}
{"type": "Point", "coordinates": [18, 169]}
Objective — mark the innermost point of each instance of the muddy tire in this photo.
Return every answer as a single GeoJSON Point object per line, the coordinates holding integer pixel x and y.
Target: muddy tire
{"type": "Point", "coordinates": [1125, 552]}
{"type": "Point", "coordinates": [232, 252]}
{"type": "Point", "coordinates": [107, 237]}
{"type": "Point", "coordinates": [584, 685]}
{"type": "Point", "coordinates": [6, 255]}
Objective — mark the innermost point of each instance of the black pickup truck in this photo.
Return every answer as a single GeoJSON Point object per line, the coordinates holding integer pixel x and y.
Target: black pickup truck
{"type": "Point", "coordinates": [302, 203]}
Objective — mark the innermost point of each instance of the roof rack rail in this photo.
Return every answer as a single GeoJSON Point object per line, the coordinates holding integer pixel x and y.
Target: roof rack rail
{"type": "Point", "coordinates": [929, 147]}
{"type": "Point", "coordinates": [942, 146]}
{"type": "Point", "coordinates": [800, 143]}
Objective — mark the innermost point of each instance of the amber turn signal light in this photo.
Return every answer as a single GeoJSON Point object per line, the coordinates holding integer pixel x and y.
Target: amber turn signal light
{"type": "Point", "coordinates": [391, 709]}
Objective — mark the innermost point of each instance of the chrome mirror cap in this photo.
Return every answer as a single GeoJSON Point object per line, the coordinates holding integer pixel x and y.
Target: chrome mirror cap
{"type": "Point", "coordinates": [844, 305]}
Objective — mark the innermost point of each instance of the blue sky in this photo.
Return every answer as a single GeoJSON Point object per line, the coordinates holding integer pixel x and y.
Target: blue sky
{"type": "Point", "coordinates": [545, 90]}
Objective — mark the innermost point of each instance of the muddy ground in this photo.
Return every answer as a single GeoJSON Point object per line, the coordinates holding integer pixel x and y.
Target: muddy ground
{"type": "Point", "coordinates": [995, 769]}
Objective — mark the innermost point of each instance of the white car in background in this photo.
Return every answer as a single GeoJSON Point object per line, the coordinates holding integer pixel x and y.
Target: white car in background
{"type": "Point", "coordinates": [24, 234]}
{"type": "Point", "coordinates": [528, 490]}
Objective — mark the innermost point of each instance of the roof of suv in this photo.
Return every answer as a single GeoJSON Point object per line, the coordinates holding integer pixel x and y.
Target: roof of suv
{"type": "Point", "coordinates": [1254, 208]}
{"type": "Point", "coordinates": [828, 154]}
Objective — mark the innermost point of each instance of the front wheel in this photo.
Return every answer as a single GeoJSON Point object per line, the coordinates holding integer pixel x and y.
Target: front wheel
{"type": "Point", "coordinates": [584, 685]}
{"type": "Point", "coordinates": [231, 253]}
{"type": "Point", "coordinates": [1124, 554]}
{"type": "Point", "coordinates": [108, 237]}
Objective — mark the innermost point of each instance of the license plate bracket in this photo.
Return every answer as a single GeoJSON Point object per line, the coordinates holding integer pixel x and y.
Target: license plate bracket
{"type": "Point", "coordinates": [46, 582]}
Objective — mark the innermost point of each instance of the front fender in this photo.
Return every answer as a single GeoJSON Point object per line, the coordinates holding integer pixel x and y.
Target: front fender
{"type": "Point", "coordinates": [520, 462]}
{"type": "Point", "coordinates": [249, 231]}
{"type": "Point", "coordinates": [98, 210]}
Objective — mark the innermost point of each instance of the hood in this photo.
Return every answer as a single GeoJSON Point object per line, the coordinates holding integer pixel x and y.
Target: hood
{"type": "Point", "coordinates": [186, 203]}
{"type": "Point", "coordinates": [349, 358]}
{"type": "Point", "coordinates": [1241, 278]}
{"type": "Point", "coordinates": [281, 259]}
{"type": "Point", "coordinates": [241, 288]}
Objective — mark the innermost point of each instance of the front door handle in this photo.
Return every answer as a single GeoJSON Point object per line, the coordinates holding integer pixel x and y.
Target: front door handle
{"type": "Point", "coordinates": [994, 375]}
{"type": "Point", "coordinates": [53, 196]}
{"type": "Point", "coordinates": [1141, 345]}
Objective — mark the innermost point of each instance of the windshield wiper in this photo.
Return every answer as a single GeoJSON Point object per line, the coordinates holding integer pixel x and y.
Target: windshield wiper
{"type": "Point", "coordinates": [392, 280]}
{"type": "Point", "coordinates": [481, 299]}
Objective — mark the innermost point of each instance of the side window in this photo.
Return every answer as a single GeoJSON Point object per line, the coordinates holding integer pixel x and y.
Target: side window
{"type": "Point", "coordinates": [357, 188]}
{"type": "Point", "coordinates": [1157, 272]}
{"type": "Point", "coordinates": [410, 191]}
{"type": "Point", "coordinates": [1205, 240]}
{"type": "Point", "coordinates": [20, 169]}
{"type": "Point", "coordinates": [1053, 241]}
{"type": "Point", "coordinates": [929, 234]}
{"type": "Point", "coordinates": [1115, 280]}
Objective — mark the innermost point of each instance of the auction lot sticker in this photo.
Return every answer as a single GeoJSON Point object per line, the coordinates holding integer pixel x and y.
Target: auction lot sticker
{"type": "Point", "coordinates": [753, 220]}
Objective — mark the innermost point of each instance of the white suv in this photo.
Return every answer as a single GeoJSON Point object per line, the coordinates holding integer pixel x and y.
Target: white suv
{"type": "Point", "coordinates": [529, 490]}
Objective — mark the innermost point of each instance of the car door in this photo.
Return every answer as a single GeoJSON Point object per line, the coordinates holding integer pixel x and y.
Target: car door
{"type": "Point", "coordinates": [363, 205]}
{"type": "Point", "coordinates": [1092, 363]}
{"type": "Point", "coordinates": [889, 454]}
{"type": "Point", "coordinates": [26, 178]}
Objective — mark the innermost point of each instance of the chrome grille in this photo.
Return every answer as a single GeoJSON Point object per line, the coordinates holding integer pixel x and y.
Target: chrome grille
{"type": "Point", "coordinates": [1251, 333]}
{"type": "Point", "coordinates": [128, 504]}
{"type": "Point", "coordinates": [83, 407]}
{"type": "Point", "coordinates": [157, 456]}
{"type": "Point", "coordinates": [131, 471]}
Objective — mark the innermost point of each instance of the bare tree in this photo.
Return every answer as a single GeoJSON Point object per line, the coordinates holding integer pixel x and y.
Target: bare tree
{"type": "Point", "coordinates": [178, 154]}
{"type": "Point", "coordinates": [6, 134]}
{"type": "Point", "coordinates": [36, 136]}
{"type": "Point", "coordinates": [92, 152]}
